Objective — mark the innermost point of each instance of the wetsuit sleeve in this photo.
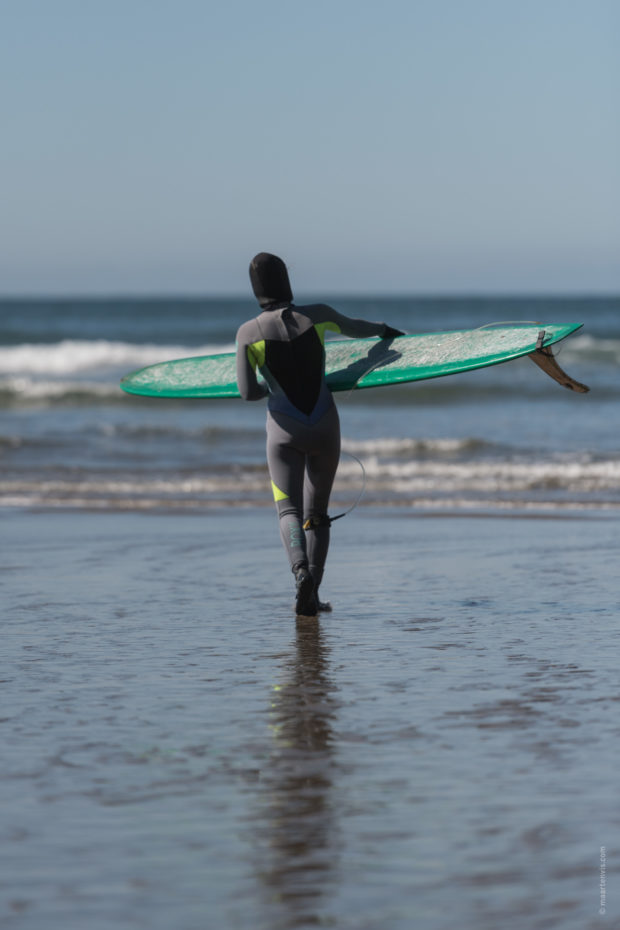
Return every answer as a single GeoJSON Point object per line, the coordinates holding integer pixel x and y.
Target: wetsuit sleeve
{"type": "Point", "coordinates": [247, 382]}
{"type": "Point", "coordinates": [349, 326]}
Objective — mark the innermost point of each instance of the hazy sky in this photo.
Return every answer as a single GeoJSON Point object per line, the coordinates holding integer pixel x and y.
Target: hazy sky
{"type": "Point", "coordinates": [394, 146]}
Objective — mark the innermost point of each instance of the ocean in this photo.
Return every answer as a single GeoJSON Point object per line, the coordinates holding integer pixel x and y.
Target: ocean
{"type": "Point", "coordinates": [504, 438]}
{"type": "Point", "coordinates": [440, 751]}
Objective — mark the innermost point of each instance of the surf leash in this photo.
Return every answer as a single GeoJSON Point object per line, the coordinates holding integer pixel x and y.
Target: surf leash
{"type": "Point", "coordinates": [313, 522]}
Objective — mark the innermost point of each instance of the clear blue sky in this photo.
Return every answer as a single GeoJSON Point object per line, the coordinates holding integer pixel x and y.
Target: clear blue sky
{"type": "Point", "coordinates": [399, 146]}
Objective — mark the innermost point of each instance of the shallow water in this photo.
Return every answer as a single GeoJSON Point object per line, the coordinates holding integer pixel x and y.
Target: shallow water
{"type": "Point", "coordinates": [441, 750]}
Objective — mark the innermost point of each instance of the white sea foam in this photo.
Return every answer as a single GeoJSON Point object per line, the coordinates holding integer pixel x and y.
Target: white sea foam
{"type": "Point", "coordinates": [433, 475]}
{"type": "Point", "coordinates": [74, 356]}
{"type": "Point", "coordinates": [585, 346]}
{"type": "Point", "coordinates": [26, 389]}
{"type": "Point", "coordinates": [36, 499]}
{"type": "Point", "coordinates": [500, 483]}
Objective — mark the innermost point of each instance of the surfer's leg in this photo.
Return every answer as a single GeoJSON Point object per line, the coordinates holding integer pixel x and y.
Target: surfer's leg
{"type": "Point", "coordinates": [321, 466]}
{"type": "Point", "coordinates": [286, 470]}
{"type": "Point", "coordinates": [286, 467]}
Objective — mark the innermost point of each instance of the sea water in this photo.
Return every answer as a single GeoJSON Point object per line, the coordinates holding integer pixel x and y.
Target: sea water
{"type": "Point", "coordinates": [503, 438]}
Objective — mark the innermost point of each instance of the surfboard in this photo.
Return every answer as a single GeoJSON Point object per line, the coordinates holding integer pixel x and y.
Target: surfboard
{"type": "Point", "coordinates": [366, 363]}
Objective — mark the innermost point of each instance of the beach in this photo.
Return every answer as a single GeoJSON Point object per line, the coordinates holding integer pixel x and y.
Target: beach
{"type": "Point", "coordinates": [440, 750]}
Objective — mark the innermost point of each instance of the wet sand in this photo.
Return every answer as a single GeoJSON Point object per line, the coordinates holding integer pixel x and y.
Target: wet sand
{"type": "Point", "coordinates": [440, 751]}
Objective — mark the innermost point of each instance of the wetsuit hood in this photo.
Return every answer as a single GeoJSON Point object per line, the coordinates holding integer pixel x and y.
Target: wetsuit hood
{"type": "Point", "coordinates": [269, 279]}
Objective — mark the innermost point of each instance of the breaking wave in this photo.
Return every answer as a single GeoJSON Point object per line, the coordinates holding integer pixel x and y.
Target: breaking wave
{"type": "Point", "coordinates": [25, 390]}
{"type": "Point", "coordinates": [76, 356]}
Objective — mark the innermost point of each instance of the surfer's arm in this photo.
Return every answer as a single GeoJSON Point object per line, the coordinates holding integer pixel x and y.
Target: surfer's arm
{"type": "Point", "coordinates": [357, 329]}
{"type": "Point", "coordinates": [247, 382]}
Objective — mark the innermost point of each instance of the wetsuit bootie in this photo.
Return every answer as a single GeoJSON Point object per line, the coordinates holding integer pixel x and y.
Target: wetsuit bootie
{"type": "Point", "coordinates": [324, 607]}
{"type": "Point", "coordinates": [305, 602]}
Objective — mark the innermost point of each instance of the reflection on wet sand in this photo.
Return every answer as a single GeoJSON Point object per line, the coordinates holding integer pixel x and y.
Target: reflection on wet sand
{"type": "Point", "coordinates": [298, 817]}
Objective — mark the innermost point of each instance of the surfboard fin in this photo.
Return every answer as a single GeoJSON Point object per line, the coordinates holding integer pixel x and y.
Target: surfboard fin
{"type": "Point", "coordinates": [545, 359]}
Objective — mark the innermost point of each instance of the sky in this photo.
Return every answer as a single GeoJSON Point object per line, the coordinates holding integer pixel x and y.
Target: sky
{"type": "Point", "coordinates": [393, 147]}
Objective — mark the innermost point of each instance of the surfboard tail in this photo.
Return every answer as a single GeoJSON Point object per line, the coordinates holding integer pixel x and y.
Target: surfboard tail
{"type": "Point", "coordinates": [546, 360]}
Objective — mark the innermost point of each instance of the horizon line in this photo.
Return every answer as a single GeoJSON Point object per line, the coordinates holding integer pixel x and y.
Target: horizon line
{"type": "Point", "coordinates": [315, 295]}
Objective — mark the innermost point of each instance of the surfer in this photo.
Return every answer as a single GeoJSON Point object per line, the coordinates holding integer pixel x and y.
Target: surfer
{"type": "Point", "coordinates": [286, 344]}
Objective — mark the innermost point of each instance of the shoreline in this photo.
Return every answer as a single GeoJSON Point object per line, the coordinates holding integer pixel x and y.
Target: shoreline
{"type": "Point", "coordinates": [430, 510]}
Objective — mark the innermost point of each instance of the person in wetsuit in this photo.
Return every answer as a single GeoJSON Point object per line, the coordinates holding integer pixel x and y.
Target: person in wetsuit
{"type": "Point", "coordinates": [286, 344]}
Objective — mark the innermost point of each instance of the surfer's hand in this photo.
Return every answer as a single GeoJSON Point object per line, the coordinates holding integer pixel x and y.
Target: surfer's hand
{"type": "Point", "coordinates": [390, 333]}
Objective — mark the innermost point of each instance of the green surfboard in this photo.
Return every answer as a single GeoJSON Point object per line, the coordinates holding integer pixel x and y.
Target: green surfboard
{"type": "Point", "coordinates": [365, 363]}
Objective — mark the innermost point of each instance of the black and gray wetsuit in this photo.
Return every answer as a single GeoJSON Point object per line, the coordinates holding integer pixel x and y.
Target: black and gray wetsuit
{"type": "Point", "coordinates": [286, 344]}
